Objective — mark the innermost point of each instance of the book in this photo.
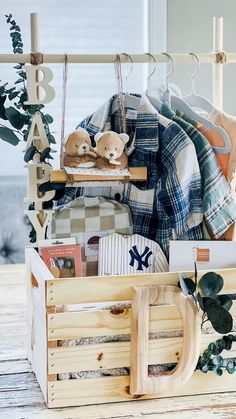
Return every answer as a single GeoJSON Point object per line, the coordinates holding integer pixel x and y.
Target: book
{"type": "Point", "coordinates": [55, 242]}
{"type": "Point", "coordinates": [64, 261]}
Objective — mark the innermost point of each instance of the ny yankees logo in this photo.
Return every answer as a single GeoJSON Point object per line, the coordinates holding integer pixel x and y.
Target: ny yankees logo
{"type": "Point", "coordinates": [139, 258]}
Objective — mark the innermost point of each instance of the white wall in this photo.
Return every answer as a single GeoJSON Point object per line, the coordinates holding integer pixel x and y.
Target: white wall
{"type": "Point", "coordinates": [190, 29]}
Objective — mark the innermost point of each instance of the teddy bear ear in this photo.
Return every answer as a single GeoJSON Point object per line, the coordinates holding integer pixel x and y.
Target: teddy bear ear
{"type": "Point", "coordinates": [98, 136]}
{"type": "Point", "coordinates": [124, 137]}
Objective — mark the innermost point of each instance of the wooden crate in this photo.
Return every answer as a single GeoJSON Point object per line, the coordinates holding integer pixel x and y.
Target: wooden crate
{"type": "Point", "coordinates": [46, 326]}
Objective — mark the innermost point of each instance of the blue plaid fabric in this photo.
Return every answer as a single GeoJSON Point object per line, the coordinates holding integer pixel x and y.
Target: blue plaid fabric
{"type": "Point", "coordinates": [169, 203]}
{"type": "Point", "coordinates": [219, 207]}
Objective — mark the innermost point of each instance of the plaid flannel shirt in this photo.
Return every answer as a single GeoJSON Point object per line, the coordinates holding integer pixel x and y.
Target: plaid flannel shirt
{"type": "Point", "coordinates": [170, 201]}
{"type": "Point", "coordinates": [219, 207]}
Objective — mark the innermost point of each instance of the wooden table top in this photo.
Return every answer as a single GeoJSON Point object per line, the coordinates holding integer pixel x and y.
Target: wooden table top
{"type": "Point", "coordinates": [21, 398]}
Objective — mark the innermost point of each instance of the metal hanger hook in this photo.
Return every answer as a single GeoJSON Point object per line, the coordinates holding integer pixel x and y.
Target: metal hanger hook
{"type": "Point", "coordinates": [155, 65]}
{"type": "Point", "coordinates": [131, 62]}
{"type": "Point", "coordinates": [171, 70]}
{"type": "Point", "coordinates": [195, 73]}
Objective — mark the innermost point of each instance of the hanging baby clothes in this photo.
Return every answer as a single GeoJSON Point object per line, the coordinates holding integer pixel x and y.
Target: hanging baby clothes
{"type": "Point", "coordinates": [130, 254]}
{"type": "Point", "coordinates": [170, 201]}
{"type": "Point", "coordinates": [227, 122]}
{"type": "Point", "coordinates": [219, 207]}
{"type": "Point", "coordinates": [216, 140]}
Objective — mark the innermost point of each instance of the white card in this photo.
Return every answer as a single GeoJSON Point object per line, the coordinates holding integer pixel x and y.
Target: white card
{"type": "Point", "coordinates": [208, 255]}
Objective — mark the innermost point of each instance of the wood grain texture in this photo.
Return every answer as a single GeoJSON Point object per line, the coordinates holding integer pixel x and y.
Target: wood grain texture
{"type": "Point", "coordinates": [105, 323]}
{"type": "Point", "coordinates": [136, 174]}
{"type": "Point", "coordinates": [21, 397]}
{"type": "Point", "coordinates": [36, 317]}
{"type": "Point", "coordinates": [117, 288]}
{"type": "Point", "coordinates": [114, 389]}
{"type": "Point", "coordinates": [117, 354]}
{"type": "Point", "coordinates": [140, 381]}
{"type": "Point", "coordinates": [37, 267]}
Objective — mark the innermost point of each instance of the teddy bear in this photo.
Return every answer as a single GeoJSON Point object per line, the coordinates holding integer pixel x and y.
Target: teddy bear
{"type": "Point", "coordinates": [110, 148]}
{"type": "Point", "coordinates": [78, 151]}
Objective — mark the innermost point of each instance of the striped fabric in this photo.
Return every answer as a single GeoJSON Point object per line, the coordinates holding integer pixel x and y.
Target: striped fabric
{"type": "Point", "coordinates": [134, 254]}
{"type": "Point", "coordinates": [219, 207]}
{"type": "Point", "coordinates": [170, 201]}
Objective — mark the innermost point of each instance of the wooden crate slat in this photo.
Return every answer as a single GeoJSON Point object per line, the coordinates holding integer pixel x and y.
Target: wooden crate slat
{"type": "Point", "coordinates": [136, 174]}
{"type": "Point", "coordinates": [117, 354]}
{"type": "Point", "coordinates": [36, 319]}
{"type": "Point", "coordinates": [37, 266]}
{"type": "Point", "coordinates": [104, 323]}
{"type": "Point", "coordinates": [116, 389]}
{"type": "Point", "coordinates": [116, 288]}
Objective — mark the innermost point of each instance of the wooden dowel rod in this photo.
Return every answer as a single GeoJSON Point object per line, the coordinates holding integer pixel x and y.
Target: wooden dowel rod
{"type": "Point", "coordinates": [217, 68]}
{"type": "Point", "coordinates": [34, 30]}
{"type": "Point", "coordinates": [110, 58]}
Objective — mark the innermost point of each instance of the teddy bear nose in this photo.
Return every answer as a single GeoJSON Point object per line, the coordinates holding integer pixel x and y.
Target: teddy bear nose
{"type": "Point", "coordinates": [111, 154]}
{"type": "Point", "coordinates": [84, 147]}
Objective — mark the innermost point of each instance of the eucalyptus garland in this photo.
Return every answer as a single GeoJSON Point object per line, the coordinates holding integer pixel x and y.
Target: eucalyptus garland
{"type": "Point", "coordinates": [215, 309]}
{"type": "Point", "coordinates": [211, 360]}
{"type": "Point", "coordinates": [13, 111]}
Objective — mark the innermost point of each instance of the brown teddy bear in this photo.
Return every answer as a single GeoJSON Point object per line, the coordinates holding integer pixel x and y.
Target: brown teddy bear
{"type": "Point", "coordinates": [78, 151]}
{"type": "Point", "coordinates": [110, 149]}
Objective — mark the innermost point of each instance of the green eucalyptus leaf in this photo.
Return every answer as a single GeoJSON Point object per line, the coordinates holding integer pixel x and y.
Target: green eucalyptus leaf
{"type": "Point", "coordinates": [15, 35]}
{"type": "Point", "coordinates": [22, 74]}
{"type": "Point", "coordinates": [6, 134]}
{"type": "Point", "coordinates": [51, 139]}
{"type": "Point", "coordinates": [23, 97]}
{"type": "Point", "coordinates": [34, 108]}
{"type": "Point", "coordinates": [203, 361]}
{"type": "Point", "coordinates": [211, 347]}
{"type": "Point", "coordinates": [225, 301]}
{"type": "Point", "coordinates": [220, 344]}
{"type": "Point", "coordinates": [29, 154]}
{"type": "Point", "coordinates": [211, 283]}
{"type": "Point", "coordinates": [18, 81]}
{"type": "Point", "coordinates": [200, 301]}
{"type": "Point", "coordinates": [183, 285]}
{"type": "Point", "coordinates": [14, 117]}
{"type": "Point", "coordinates": [2, 100]}
{"type": "Point", "coordinates": [232, 337]}
{"type": "Point", "coordinates": [48, 118]}
{"type": "Point", "coordinates": [205, 368]}
{"type": "Point", "coordinates": [2, 90]}
{"type": "Point", "coordinates": [218, 361]}
{"type": "Point", "coordinates": [208, 301]}
{"type": "Point", "coordinates": [230, 367]}
{"type": "Point", "coordinates": [216, 350]}
{"type": "Point", "coordinates": [220, 318]}
{"type": "Point", "coordinates": [218, 371]}
{"type": "Point", "coordinates": [2, 108]}
{"type": "Point", "coordinates": [45, 154]}
{"type": "Point", "coordinates": [187, 285]}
